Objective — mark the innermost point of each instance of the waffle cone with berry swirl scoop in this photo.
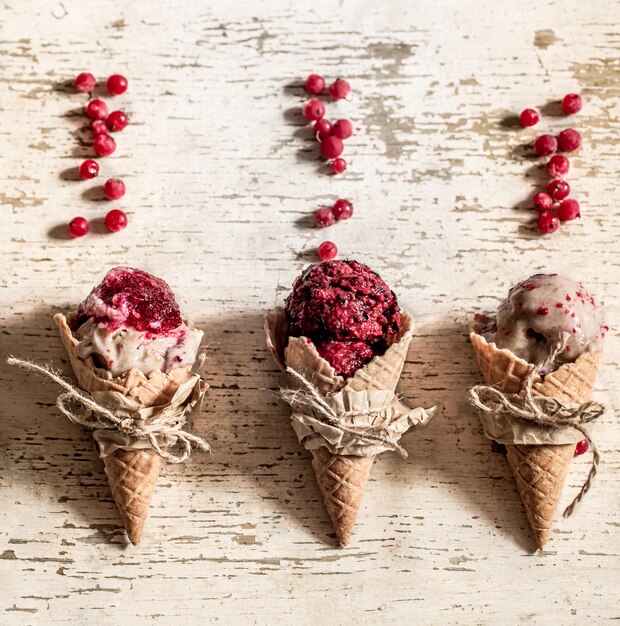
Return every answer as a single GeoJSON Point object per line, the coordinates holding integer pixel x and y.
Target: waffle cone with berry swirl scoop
{"type": "Point", "coordinates": [540, 471]}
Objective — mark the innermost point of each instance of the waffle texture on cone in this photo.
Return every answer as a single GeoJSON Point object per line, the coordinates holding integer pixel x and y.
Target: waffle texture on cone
{"type": "Point", "coordinates": [539, 470]}
{"type": "Point", "coordinates": [132, 474]}
{"type": "Point", "coordinates": [341, 478]}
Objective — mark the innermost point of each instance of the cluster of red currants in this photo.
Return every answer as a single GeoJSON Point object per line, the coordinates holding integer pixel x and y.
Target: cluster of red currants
{"type": "Point", "coordinates": [102, 124]}
{"type": "Point", "coordinates": [554, 205]}
{"type": "Point", "coordinates": [326, 216]}
{"type": "Point", "coordinates": [329, 135]}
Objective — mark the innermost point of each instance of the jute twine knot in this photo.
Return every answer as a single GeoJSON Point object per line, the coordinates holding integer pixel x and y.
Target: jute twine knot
{"type": "Point", "coordinates": [309, 400]}
{"type": "Point", "coordinates": [81, 408]}
{"type": "Point", "coordinates": [543, 411]}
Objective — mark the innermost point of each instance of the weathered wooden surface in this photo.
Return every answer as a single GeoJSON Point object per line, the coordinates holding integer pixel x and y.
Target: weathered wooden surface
{"type": "Point", "coordinates": [222, 179]}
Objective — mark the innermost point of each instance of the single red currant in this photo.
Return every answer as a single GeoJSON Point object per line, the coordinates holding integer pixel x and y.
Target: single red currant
{"type": "Point", "coordinates": [331, 147]}
{"type": "Point", "coordinates": [571, 103]}
{"type": "Point", "coordinates": [117, 120]}
{"type": "Point", "coordinates": [569, 140]}
{"type": "Point", "coordinates": [78, 227]}
{"type": "Point", "coordinates": [117, 84]}
{"type": "Point", "coordinates": [582, 447]}
{"type": "Point", "coordinates": [343, 209]}
{"type": "Point", "coordinates": [115, 220]}
{"type": "Point", "coordinates": [327, 251]}
{"type": "Point", "coordinates": [97, 109]}
{"type": "Point", "coordinates": [548, 222]}
{"type": "Point", "coordinates": [315, 84]}
{"type": "Point", "coordinates": [114, 188]}
{"type": "Point", "coordinates": [543, 201]}
{"type": "Point", "coordinates": [85, 82]}
{"type": "Point", "coordinates": [342, 129]}
{"type": "Point", "coordinates": [558, 166]}
{"type": "Point", "coordinates": [313, 110]}
{"type": "Point", "coordinates": [99, 128]}
{"type": "Point", "coordinates": [339, 89]}
{"type": "Point", "coordinates": [338, 165]}
{"type": "Point", "coordinates": [322, 128]}
{"type": "Point", "coordinates": [89, 169]}
{"type": "Point", "coordinates": [569, 210]}
{"type": "Point", "coordinates": [104, 145]}
{"type": "Point", "coordinates": [545, 145]}
{"type": "Point", "coordinates": [528, 117]}
{"type": "Point", "coordinates": [558, 189]}
{"type": "Point", "coordinates": [324, 217]}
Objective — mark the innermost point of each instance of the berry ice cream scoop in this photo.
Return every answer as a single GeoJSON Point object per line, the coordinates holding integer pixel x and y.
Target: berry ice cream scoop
{"type": "Point", "coordinates": [535, 313]}
{"type": "Point", "coordinates": [346, 310]}
{"type": "Point", "coordinates": [132, 321]}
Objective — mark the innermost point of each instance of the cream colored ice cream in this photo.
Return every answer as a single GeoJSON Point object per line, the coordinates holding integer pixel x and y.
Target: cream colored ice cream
{"type": "Point", "coordinates": [538, 310]}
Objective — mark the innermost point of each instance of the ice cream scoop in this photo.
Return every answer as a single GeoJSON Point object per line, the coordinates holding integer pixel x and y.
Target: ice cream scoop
{"type": "Point", "coordinates": [538, 310]}
{"type": "Point", "coordinates": [131, 320]}
{"type": "Point", "coordinates": [346, 309]}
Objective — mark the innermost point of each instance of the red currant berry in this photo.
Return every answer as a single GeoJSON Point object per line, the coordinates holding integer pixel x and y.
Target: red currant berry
{"type": "Point", "coordinates": [315, 84]}
{"type": "Point", "coordinates": [117, 120]}
{"type": "Point", "coordinates": [558, 166]}
{"type": "Point", "coordinates": [558, 189]}
{"type": "Point", "coordinates": [342, 129]}
{"type": "Point", "coordinates": [545, 145]}
{"type": "Point", "coordinates": [104, 145]}
{"type": "Point", "coordinates": [322, 128]}
{"type": "Point", "coordinates": [78, 227]}
{"type": "Point", "coordinates": [338, 165]}
{"type": "Point", "coordinates": [114, 188]}
{"type": "Point", "coordinates": [117, 84]}
{"type": "Point", "coordinates": [528, 117]}
{"type": "Point", "coordinates": [571, 103]}
{"type": "Point", "coordinates": [313, 110]}
{"type": "Point", "coordinates": [582, 447]}
{"type": "Point", "coordinates": [569, 210]}
{"type": "Point", "coordinates": [85, 82]}
{"type": "Point", "coordinates": [115, 220]}
{"type": "Point", "coordinates": [89, 169]}
{"type": "Point", "coordinates": [331, 147]}
{"type": "Point", "coordinates": [343, 209]}
{"type": "Point", "coordinates": [543, 201]}
{"type": "Point", "coordinates": [548, 222]}
{"type": "Point", "coordinates": [327, 251]}
{"type": "Point", "coordinates": [97, 109]}
{"type": "Point", "coordinates": [339, 89]}
{"type": "Point", "coordinates": [324, 217]}
{"type": "Point", "coordinates": [99, 128]}
{"type": "Point", "coordinates": [569, 140]}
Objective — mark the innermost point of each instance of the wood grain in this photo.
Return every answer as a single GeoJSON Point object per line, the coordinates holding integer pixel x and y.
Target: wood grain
{"type": "Point", "coordinates": [223, 178]}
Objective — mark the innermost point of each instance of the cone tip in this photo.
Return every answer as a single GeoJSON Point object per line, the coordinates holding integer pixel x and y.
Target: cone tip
{"type": "Point", "coordinates": [542, 536]}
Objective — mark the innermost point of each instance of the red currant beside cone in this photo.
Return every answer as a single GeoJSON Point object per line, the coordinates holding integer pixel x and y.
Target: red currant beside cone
{"type": "Point", "coordinates": [117, 120]}
{"type": "Point", "coordinates": [99, 127]}
{"type": "Point", "coordinates": [331, 147]}
{"type": "Point", "coordinates": [571, 103]}
{"type": "Point", "coordinates": [343, 209]}
{"type": "Point", "coordinates": [569, 140]}
{"type": "Point", "coordinates": [315, 84]}
{"type": "Point", "coordinates": [313, 110]}
{"type": "Point", "coordinates": [85, 82]}
{"type": "Point", "coordinates": [543, 201]}
{"type": "Point", "coordinates": [114, 188]}
{"type": "Point", "coordinates": [582, 447]}
{"type": "Point", "coordinates": [569, 210]}
{"type": "Point", "coordinates": [545, 145]}
{"type": "Point", "coordinates": [89, 169]}
{"type": "Point", "coordinates": [115, 220]}
{"type": "Point", "coordinates": [342, 129]}
{"type": "Point", "coordinates": [558, 166]}
{"type": "Point", "coordinates": [327, 251]}
{"type": "Point", "coordinates": [339, 89]}
{"type": "Point", "coordinates": [116, 84]}
{"type": "Point", "coordinates": [528, 117]}
{"type": "Point", "coordinates": [548, 222]}
{"type": "Point", "coordinates": [78, 227]}
{"type": "Point", "coordinates": [324, 217]}
{"type": "Point", "coordinates": [104, 145]}
{"type": "Point", "coordinates": [558, 189]}
{"type": "Point", "coordinates": [322, 128]}
{"type": "Point", "coordinates": [97, 109]}
{"type": "Point", "coordinates": [338, 166]}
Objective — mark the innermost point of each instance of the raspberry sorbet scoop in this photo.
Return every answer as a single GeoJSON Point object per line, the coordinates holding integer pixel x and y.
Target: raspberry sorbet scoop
{"type": "Point", "coordinates": [346, 309]}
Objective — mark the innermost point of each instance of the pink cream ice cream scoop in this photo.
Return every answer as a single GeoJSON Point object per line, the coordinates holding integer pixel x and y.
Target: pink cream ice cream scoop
{"type": "Point", "coordinates": [131, 320]}
{"type": "Point", "coordinates": [535, 313]}
{"type": "Point", "coordinates": [346, 309]}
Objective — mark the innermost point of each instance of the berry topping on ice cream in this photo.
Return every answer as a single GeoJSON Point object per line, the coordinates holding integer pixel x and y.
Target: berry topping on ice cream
{"type": "Point", "coordinates": [132, 298]}
{"type": "Point", "coordinates": [538, 310]}
{"type": "Point", "coordinates": [346, 309]}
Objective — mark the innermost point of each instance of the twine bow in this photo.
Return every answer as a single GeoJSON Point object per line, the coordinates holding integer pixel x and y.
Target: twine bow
{"type": "Point", "coordinates": [543, 411]}
{"type": "Point", "coordinates": [81, 408]}
{"type": "Point", "coordinates": [309, 401]}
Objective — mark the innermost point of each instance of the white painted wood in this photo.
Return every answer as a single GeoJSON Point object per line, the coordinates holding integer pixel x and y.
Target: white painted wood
{"type": "Point", "coordinates": [222, 180]}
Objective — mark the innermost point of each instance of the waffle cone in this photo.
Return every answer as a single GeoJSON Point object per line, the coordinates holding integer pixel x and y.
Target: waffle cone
{"type": "Point", "coordinates": [132, 474]}
{"type": "Point", "coordinates": [540, 471]}
{"type": "Point", "coordinates": [341, 478]}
